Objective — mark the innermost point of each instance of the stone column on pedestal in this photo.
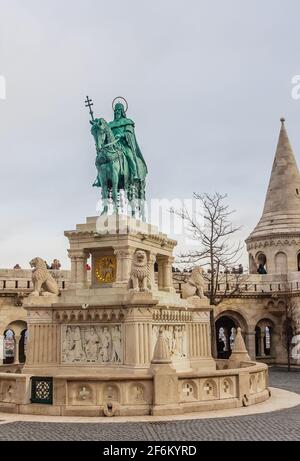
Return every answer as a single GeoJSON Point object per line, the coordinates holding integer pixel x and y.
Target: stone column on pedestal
{"type": "Point", "coordinates": [119, 256]}
{"type": "Point", "coordinates": [1, 349]}
{"type": "Point", "coordinates": [167, 274]}
{"type": "Point", "coordinates": [165, 380]}
{"type": "Point", "coordinates": [165, 280]}
{"type": "Point", "coordinates": [275, 342]}
{"type": "Point", "coordinates": [72, 257]}
{"type": "Point", "coordinates": [127, 262]}
{"type": "Point", "coordinates": [262, 344]}
{"type": "Point", "coordinates": [81, 260]}
{"type": "Point", "coordinates": [160, 274]}
{"type": "Point", "coordinates": [151, 262]}
{"type": "Point", "coordinates": [124, 262]}
{"type": "Point", "coordinates": [78, 268]}
{"type": "Point", "coordinates": [17, 344]}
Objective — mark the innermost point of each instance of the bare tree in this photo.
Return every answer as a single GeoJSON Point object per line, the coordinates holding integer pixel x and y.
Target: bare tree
{"type": "Point", "coordinates": [289, 321]}
{"type": "Point", "coordinates": [213, 230]}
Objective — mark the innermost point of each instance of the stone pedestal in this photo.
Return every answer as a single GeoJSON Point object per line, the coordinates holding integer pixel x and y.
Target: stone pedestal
{"type": "Point", "coordinates": [118, 337]}
{"type": "Point", "coordinates": [117, 347]}
{"type": "Point", "coordinates": [112, 242]}
{"type": "Point", "coordinates": [17, 350]}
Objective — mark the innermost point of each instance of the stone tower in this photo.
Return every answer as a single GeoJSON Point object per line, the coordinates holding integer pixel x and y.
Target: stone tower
{"type": "Point", "coordinates": [274, 244]}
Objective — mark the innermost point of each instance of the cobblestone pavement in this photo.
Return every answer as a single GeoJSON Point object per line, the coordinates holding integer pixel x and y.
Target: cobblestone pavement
{"type": "Point", "coordinates": [280, 425]}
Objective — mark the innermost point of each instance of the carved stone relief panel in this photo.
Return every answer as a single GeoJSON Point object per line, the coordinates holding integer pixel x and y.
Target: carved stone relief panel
{"type": "Point", "coordinates": [176, 338]}
{"type": "Point", "coordinates": [7, 390]}
{"type": "Point", "coordinates": [101, 344]}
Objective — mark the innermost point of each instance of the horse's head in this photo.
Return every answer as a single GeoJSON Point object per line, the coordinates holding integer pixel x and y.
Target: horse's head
{"type": "Point", "coordinates": [101, 132]}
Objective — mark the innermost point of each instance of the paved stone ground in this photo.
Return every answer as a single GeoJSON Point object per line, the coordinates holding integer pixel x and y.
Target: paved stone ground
{"type": "Point", "coordinates": [280, 425]}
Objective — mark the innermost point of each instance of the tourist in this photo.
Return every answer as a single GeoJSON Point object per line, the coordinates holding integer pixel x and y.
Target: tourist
{"type": "Point", "coordinates": [47, 265]}
{"type": "Point", "coordinates": [56, 264]}
{"type": "Point", "coordinates": [17, 266]}
{"type": "Point", "coordinates": [261, 269]}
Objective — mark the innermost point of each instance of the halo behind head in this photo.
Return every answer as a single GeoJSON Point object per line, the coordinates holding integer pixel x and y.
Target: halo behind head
{"type": "Point", "coordinates": [120, 99]}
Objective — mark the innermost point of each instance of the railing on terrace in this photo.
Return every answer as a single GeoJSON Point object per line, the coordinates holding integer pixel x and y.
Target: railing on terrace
{"type": "Point", "coordinates": [20, 281]}
{"type": "Point", "coordinates": [249, 284]}
{"type": "Point", "coordinates": [23, 285]}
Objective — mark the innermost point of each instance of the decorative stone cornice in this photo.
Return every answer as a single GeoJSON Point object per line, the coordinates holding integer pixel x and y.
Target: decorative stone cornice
{"type": "Point", "coordinates": [162, 240]}
{"type": "Point", "coordinates": [89, 315]}
{"type": "Point", "coordinates": [273, 240]}
{"type": "Point", "coordinates": [166, 315]}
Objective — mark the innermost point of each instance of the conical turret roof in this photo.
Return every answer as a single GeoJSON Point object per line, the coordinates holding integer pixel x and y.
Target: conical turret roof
{"type": "Point", "coordinates": [281, 214]}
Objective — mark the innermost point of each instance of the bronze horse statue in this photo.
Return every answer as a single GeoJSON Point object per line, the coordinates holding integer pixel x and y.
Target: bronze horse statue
{"type": "Point", "coordinates": [113, 171]}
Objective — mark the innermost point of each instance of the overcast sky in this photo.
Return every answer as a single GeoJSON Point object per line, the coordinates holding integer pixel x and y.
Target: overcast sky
{"type": "Point", "coordinates": [206, 80]}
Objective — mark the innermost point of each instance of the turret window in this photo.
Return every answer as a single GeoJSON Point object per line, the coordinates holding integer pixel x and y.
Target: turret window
{"type": "Point", "coordinates": [281, 263]}
{"type": "Point", "coordinates": [298, 261]}
{"type": "Point", "coordinates": [261, 263]}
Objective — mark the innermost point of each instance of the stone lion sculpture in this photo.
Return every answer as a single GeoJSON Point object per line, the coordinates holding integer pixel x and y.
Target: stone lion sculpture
{"type": "Point", "coordinates": [195, 284]}
{"type": "Point", "coordinates": [43, 282]}
{"type": "Point", "coordinates": [139, 276]}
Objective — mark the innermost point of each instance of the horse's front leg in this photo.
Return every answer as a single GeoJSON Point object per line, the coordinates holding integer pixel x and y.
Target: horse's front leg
{"type": "Point", "coordinates": [104, 193]}
{"type": "Point", "coordinates": [115, 191]}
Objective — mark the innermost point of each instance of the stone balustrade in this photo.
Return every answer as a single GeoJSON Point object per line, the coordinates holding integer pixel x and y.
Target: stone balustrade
{"type": "Point", "coordinates": [20, 280]}
{"type": "Point", "coordinates": [127, 395]}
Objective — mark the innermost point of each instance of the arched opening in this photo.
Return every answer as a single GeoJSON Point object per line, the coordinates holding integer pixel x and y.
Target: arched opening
{"type": "Point", "coordinates": [15, 342]}
{"type": "Point", "coordinates": [264, 332]}
{"type": "Point", "coordinates": [261, 261]}
{"type": "Point", "coordinates": [298, 261]}
{"type": "Point", "coordinates": [281, 263]}
{"type": "Point", "coordinates": [8, 347]}
{"type": "Point", "coordinates": [225, 336]}
{"type": "Point", "coordinates": [257, 341]}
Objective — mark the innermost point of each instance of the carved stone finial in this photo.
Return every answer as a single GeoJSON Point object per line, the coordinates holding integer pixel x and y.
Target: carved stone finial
{"type": "Point", "coordinates": [239, 346]}
{"type": "Point", "coordinates": [282, 120]}
{"type": "Point", "coordinates": [161, 352]}
{"type": "Point", "coordinates": [239, 350]}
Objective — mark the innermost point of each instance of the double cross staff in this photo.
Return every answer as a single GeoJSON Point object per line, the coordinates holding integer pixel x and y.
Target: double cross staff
{"type": "Point", "coordinates": [89, 103]}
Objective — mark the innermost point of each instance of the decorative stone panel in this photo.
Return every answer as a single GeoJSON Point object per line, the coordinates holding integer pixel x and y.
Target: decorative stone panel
{"type": "Point", "coordinates": [100, 344]}
{"type": "Point", "coordinates": [228, 387]}
{"type": "Point", "coordinates": [188, 391]}
{"type": "Point", "coordinates": [209, 389]}
{"type": "Point", "coordinates": [176, 339]}
{"type": "Point", "coordinates": [82, 393]}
